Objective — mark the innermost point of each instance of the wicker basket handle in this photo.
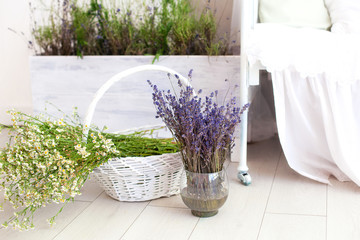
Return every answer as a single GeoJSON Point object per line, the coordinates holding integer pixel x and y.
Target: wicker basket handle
{"type": "Point", "coordinates": [91, 109]}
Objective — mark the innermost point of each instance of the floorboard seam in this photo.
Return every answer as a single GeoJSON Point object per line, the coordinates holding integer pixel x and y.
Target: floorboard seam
{"type": "Point", "coordinates": [147, 205]}
{"type": "Point", "coordinates": [77, 216]}
{"type": "Point", "coordinates": [272, 184]}
{"type": "Point", "coordinates": [193, 229]}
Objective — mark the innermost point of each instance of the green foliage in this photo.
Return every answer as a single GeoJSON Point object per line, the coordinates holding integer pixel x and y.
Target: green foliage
{"type": "Point", "coordinates": [136, 145]}
{"type": "Point", "coordinates": [167, 27]}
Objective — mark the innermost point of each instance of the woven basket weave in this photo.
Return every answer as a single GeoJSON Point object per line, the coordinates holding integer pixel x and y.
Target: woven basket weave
{"type": "Point", "coordinates": [137, 178]}
{"type": "Point", "coordinates": [140, 178]}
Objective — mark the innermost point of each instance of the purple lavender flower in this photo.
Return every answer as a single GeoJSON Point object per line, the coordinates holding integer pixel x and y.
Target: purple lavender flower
{"type": "Point", "coordinates": [203, 128]}
{"type": "Point", "coordinates": [190, 73]}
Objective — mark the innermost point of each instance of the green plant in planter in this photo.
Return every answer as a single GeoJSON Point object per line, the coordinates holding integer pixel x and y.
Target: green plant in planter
{"type": "Point", "coordinates": [192, 35]}
{"type": "Point", "coordinates": [49, 160]}
{"type": "Point", "coordinates": [167, 27]}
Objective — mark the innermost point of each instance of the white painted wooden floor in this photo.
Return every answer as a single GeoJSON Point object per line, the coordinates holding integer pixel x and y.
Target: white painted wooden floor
{"type": "Point", "coordinates": [278, 205]}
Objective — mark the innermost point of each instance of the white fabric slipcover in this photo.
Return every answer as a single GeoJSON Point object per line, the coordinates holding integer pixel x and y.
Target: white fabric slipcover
{"type": "Point", "coordinates": [316, 81]}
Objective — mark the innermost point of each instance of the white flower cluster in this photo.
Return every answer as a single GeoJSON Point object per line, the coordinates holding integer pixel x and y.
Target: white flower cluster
{"type": "Point", "coordinates": [47, 161]}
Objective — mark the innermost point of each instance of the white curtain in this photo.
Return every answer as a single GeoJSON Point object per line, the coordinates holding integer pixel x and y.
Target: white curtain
{"type": "Point", "coordinates": [318, 120]}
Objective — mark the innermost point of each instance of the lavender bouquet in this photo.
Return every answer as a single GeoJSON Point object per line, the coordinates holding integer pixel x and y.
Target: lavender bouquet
{"type": "Point", "coordinates": [203, 129]}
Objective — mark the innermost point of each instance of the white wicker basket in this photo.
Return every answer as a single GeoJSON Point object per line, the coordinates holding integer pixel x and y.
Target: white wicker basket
{"type": "Point", "coordinates": [137, 178]}
{"type": "Point", "coordinates": [140, 178]}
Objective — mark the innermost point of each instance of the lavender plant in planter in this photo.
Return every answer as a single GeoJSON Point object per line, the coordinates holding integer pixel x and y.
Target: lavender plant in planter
{"type": "Point", "coordinates": [204, 130]}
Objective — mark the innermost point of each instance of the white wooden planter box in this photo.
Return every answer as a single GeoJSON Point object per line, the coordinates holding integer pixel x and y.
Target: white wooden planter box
{"type": "Point", "coordinates": [68, 81]}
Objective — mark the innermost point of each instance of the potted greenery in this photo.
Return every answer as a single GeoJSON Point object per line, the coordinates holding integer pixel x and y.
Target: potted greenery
{"type": "Point", "coordinates": [167, 27]}
{"type": "Point", "coordinates": [204, 130]}
{"type": "Point", "coordinates": [112, 38]}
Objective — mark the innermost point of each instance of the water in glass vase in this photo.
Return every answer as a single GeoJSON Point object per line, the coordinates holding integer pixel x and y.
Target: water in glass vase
{"type": "Point", "coordinates": [204, 193]}
{"type": "Point", "coordinates": [203, 206]}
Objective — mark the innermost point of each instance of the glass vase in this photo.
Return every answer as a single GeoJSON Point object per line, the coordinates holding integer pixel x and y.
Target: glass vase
{"type": "Point", "coordinates": [204, 193]}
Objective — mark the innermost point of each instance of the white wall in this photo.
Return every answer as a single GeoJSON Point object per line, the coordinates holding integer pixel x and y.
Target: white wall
{"type": "Point", "coordinates": [15, 90]}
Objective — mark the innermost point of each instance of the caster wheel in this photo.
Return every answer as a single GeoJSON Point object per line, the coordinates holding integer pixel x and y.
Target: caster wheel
{"type": "Point", "coordinates": [244, 178]}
